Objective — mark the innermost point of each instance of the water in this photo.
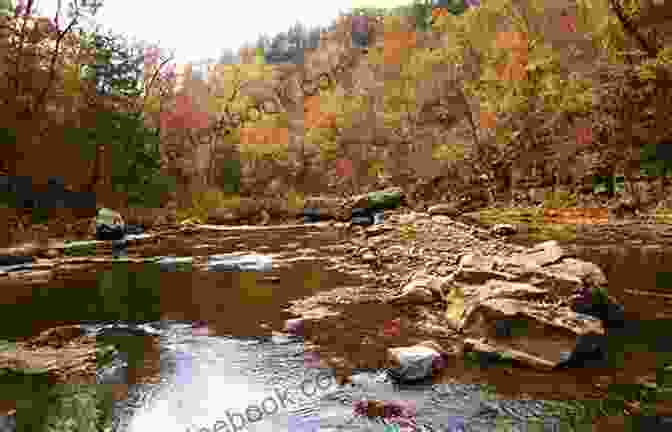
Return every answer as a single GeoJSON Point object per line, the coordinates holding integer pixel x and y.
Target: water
{"type": "Point", "coordinates": [204, 379]}
{"type": "Point", "coordinates": [210, 382]}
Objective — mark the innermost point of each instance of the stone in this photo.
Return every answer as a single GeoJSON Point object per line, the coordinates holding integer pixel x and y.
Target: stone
{"type": "Point", "coordinates": [294, 326]}
{"type": "Point", "coordinates": [520, 305]}
{"type": "Point", "coordinates": [368, 257]}
{"type": "Point", "coordinates": [504, 229]}
{"type": "Point", "coordinates": [421, 289]}
{"type": "Point", "coordinates": [52, 253]}
{"type": "Point", "coordinates": [265, 218]}
{"type": "Point", "coordinates": [449, 210]}
{"type": "Point", "coordinates": [57, 336]}
{"type": "Point", "coordinates": [414, 362]}
{"type": "Point", "coordinates": [540, 255]}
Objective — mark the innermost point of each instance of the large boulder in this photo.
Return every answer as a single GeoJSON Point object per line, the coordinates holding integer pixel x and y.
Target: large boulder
{"type": "Point", "coordinates": [521, 306]}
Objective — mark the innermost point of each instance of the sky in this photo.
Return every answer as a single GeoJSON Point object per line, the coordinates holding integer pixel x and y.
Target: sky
{"type": "Point", "coordinates": [200, 29]}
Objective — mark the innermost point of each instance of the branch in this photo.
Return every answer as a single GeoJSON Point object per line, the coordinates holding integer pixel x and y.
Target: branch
{"type": "Point", "coordinates": [630, 28]}
{"type": "Point", "coordinates": [154, 76]}
{"type": "Point", "coordinates": [52, 70]}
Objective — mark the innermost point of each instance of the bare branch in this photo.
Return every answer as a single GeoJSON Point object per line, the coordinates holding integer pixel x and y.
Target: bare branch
{"type": "Point", "coordinates": [631, 29]}
{"type": "Point", "coordinates": [52, 66]}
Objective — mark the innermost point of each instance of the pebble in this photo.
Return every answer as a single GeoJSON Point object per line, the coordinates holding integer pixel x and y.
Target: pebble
{"type": "Point", "coordinates": [368, 257]}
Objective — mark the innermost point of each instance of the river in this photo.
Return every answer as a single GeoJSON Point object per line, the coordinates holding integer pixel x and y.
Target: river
{"type": "Point", "coordinates": [207, 381]}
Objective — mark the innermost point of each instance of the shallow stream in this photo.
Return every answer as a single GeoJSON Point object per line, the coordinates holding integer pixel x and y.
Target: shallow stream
{"type": "Point", "coordinates": [207, 381]}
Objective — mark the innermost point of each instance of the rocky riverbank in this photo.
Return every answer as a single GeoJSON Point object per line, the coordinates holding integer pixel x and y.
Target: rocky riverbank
{"type": "Point", "coordinates": [440, 281]}
{"type": "Point", "coordinates": [436, 279]}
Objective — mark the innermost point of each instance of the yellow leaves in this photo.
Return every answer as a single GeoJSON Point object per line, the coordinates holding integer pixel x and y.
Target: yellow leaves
{"type": "Point", "coordinates": [72, 83]}
{"type": "Point", "coordinates": [449, 152]}
{"type": "Point", "coordinates": [648, 70]}
{"type": "Point", "coordinates": [295, 200]}
{"type": "Point", "coordinates": [152, 104]}
{"type": "Point", "coordinates": [216, 105]}
{"type": "Point", "coordinates": [455, 306]}
{"type": "Point", "coordinates": [376, 168]}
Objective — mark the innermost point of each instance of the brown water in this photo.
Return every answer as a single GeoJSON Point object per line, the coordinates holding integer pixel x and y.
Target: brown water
{"type": "Point", "coordinates": [242, 363]}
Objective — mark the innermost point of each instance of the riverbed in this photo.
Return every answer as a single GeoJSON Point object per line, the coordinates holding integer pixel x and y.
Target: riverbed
{"type": "Point", "coordinates": [234, 358]}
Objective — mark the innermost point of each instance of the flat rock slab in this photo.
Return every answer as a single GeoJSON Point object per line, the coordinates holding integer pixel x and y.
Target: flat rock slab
{"type": "Point", "coordinates": [261, 228]}
{"type": "Point", "coordinates": [76, 359]}
{"type": "Point", "coordinates": [520, 356]}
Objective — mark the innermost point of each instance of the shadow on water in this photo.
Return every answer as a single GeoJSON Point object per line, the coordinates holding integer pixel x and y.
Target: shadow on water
{"type": "Point", "coordinates": [230, 302]}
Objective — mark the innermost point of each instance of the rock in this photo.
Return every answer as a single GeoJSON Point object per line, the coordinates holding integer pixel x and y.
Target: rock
{"type": "Point", "coordinates": [422, 289]}
{"type": "Point", "coordinates": [222, 216]}
{"type": "Point", "coordinates": [449, 210]}
{"type": "Point", "coordinates": [265, 217]}
{"type": "Point", "coordinates": [414, 363]}
{"type": "Point", "coordinates": [570, 275]}
{"type": "Point", "coordinates": [52, 253]}
{"type": "Point", "coordinates": [504, 229]}
{"type": "Point", "coordinates": [294, 326]}
{"type": "Point", "coordinates": [590, 351]}
{"type": "Point", "coordinates": [520, 304]}
{"type": "Point", "coordinates": [57, 336]}
{"type": "Point", "coordinates": [109, 225]}
{"type": "Point", "coordinates": [534, 329]}
{"type": "Point", "coordinates": [477, 269]}
{"type": "Point", "coordinates": [15, 260]}
{"type": "Point", "coordinates": [540, 255]}
{"type": "Point", "coordinates": [328, 208]}
{"type": "Point", "coordinates": [623, 209]}
{"type": "Point", "coordinates": [368, 257]}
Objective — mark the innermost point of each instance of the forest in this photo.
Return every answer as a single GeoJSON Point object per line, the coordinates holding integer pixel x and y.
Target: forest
{"type": "Point", "coordinates": [509, 95]}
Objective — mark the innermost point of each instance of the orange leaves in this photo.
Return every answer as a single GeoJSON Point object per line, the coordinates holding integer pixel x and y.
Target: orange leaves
{"type": "Point", "coordinates": [314, 117]}
{"type": "Point", "coordinates": [264, 135]}
{"type": "Point", "coordinates": [439, 12]}
{"type": "Point", "coordinates": [396, 43]}
{"type": "Point", "coordinates": [513, 71]}
{"type": "Point", "coordinates": [488, 120]}
{"type": "Point", "coordinates": [577, 215]}
{"type": "Point", "coordinates": [517, 44]}
{"type": "Point", "coordinates": [512, 40]}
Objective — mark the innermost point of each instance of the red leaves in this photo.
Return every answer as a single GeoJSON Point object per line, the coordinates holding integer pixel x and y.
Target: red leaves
{"type": "Point", "coordinates": [344, 168]}
{"type": "Point", "coordinates": [584, 135]}
{"type": "Point", "coordinates": [184, 116]}
{"type": "Point", "coordinates": [392, 328]}
{"type": "Point", "coordinates": [568, 23]}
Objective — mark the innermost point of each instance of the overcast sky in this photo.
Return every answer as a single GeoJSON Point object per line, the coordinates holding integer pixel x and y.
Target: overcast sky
{"type": "Point", "coordinates": [199, 29]}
